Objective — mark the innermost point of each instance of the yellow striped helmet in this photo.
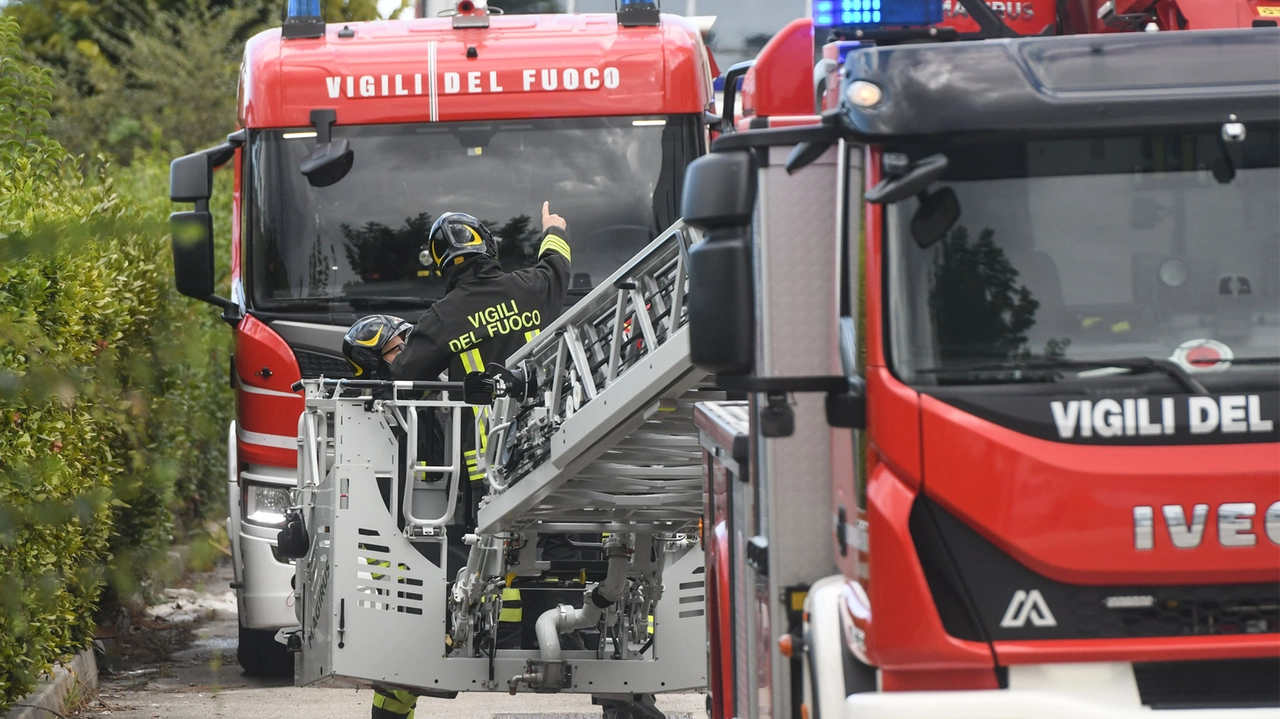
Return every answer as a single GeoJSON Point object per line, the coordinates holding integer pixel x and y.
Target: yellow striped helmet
{"type": "Point", "coordinates": [456, 235]}
{"type": "Point", "coordinates": [366, 341]}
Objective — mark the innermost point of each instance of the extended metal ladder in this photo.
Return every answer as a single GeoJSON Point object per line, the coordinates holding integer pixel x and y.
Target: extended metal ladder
{"type": "Point", "coordinates": [612, 446]}
{"type": "Point", "coordinates": [606, 445]}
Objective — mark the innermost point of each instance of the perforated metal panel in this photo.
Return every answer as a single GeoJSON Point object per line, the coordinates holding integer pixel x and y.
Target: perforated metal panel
{"type": "Point", "coordinates": [373, 601]}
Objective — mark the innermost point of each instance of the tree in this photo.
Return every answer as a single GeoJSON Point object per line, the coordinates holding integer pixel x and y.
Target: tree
{"type": "Point", "coordinates": [981, 310]}
{"type": "Point", "coordinates": [54, 30]}
{"type": "Point", "coordinates": [171, 86]}
{"type": "Point", "coordinates": [148, 73]}
{"type": "Point", "coordinates": [350, 10]}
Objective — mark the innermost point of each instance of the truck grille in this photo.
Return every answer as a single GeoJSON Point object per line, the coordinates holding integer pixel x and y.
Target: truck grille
{"type": "Point", "coordinates": [1233, 683]}
{"type": "Point", "coordinates": [316, 364]}
{"type": "Point", "coordinates": [976, 588]}
{"type": "Point", "coordinates": [1177, 611]}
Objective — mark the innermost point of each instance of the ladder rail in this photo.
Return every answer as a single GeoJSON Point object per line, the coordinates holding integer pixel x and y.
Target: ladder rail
{"type": "Point", "coordinates": [594, 345]}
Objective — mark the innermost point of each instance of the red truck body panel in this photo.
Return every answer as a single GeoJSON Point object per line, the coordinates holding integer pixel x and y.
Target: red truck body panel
{"type": "Point", "coordinates": [1066, 511]}
{"type": "Point", "coordinates": [525, 66]}
{"type": "Point", "coordinates": [781, 83]}
{"type": "Point", "coordinates": [266, 408]}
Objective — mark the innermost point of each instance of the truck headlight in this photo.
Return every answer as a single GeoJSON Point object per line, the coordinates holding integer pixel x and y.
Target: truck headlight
{"type": "Point", "coordinates": [264, 504]}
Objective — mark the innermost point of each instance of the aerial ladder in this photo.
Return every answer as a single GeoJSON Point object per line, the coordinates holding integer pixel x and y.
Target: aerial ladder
{"type": "Point", "coordinates": [587, 433]}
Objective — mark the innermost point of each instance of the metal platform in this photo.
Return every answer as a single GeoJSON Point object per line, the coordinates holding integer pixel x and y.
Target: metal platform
{"type": "Point", "coordinates": [605, 450]}
{"type": "Point", "coordinates": [612, 446]}
{"type": "Point", "coordinates": [377, 605]}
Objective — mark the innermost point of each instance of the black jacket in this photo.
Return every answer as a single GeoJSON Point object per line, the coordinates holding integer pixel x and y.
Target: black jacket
{"type": "Point", "coordinates": [487, 314]}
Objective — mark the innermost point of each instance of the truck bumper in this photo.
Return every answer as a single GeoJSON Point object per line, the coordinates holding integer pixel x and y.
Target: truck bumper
{"type": "Point", "coordinates": [1018, 704]}
{"type": "Point", "coordinates": [266, 597]}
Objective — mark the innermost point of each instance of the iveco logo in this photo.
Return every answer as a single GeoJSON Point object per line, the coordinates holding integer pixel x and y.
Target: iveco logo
{"type": "Point", "coordinates": [1027, 605]}
{"type": "Point", "coordinates": [1235, 525]}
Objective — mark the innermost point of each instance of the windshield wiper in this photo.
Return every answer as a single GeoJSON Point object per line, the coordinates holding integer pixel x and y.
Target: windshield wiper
{"type": "Point", "coordinates": [357, 302]}
{"type": "Point", "coordinates": [365, 301]}
{"type": "Point", "coordinates": [1243, 360]}
{"type": "Point", "coordinates": [1134, 364]}
{"type": "Point", "coordinates": [322, 303]}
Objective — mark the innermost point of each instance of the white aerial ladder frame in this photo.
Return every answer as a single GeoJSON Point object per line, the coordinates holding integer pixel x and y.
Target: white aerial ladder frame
{"type": "Point", "coordinates": [616, 453]}
{"type": "Point", "coordinates": [614, 441]}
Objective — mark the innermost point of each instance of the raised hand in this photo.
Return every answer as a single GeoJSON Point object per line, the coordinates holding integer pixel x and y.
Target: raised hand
{"type": "Point", "coordinates": [549, 220]}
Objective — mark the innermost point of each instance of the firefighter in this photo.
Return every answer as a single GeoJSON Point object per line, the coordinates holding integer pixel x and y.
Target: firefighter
{"type": "Point", "coordinates": [373, 343]}
{"type": "Point", "coordinates": [485, 315]}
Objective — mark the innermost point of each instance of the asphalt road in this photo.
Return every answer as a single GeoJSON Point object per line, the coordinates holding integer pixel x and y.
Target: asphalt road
{"type": "Point", "coordinates": [196, 677]}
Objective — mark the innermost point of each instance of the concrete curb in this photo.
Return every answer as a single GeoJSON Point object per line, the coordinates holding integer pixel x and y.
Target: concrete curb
{"type": "Point", "coordinates": [48, 700]}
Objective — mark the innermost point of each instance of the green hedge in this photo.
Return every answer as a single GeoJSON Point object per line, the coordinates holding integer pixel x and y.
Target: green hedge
{"type": "Point", "coordinates": [113, 399]}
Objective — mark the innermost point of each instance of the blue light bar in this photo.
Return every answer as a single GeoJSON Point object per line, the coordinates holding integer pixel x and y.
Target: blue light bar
{"type": "Point", "coordinates": [638, 13]}
{"type": "Point", "coordinates": [303, 8]}
{"type": "Point", "coordinates": [876, 13]}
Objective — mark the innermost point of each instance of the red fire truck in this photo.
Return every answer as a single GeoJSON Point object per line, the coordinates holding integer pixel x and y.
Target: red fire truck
{"type": "Point", "coordinates": [1008, 315]}
{"type": "Point", "coordinates": [352, 139]}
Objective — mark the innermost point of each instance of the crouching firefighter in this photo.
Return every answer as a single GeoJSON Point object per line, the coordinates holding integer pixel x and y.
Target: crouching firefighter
{"type": "Point", "coordinates": [485, 315]}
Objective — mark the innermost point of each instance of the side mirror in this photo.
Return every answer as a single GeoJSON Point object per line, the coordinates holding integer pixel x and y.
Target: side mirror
{"type": "Point", "coordinates": [720, 196]}
{"type": "Point", "coordinates": [896, 188]}
{"type": "Point", "coordinates": [191, 180]}
{"type": "Point", "coordinates": [937, 212]}
{"type": "Point", "coordinates": [193, 253]}
{"type": "Point", "coordinates": [731, 78]}
{"type": "Point", "coordinates": [293, 540]}
{"type": "Point", "coordinates": [191, 176]}
{"type": "Point", "coordinates": [329, 161]}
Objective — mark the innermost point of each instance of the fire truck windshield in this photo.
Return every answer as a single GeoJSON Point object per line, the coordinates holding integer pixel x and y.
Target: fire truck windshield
{"type": "Point", "coordinates": [358, 242]}
{"type": "Point", "coordinates": [1071, 252]}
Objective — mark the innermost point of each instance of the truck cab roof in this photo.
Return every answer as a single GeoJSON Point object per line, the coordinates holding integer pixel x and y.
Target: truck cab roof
{"type": "Point", "coordinates": [1055, 85]}
{"type": "Point", "coordinates": [425, 70]}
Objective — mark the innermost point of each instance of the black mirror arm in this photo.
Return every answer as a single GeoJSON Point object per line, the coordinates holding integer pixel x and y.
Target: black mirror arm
{"type": "Point", "coordinates": [989, 23]}
{"type": "Point", "coordinates": [323, 121]}
{"type": "Point", "coordinates": [806, 153]}
{"type": "Point", "coordinates": [222, 154]}
{"type": "Point", "coordinates": [895, 189]}
{"type": "Point", "coordinates": [731, 78]}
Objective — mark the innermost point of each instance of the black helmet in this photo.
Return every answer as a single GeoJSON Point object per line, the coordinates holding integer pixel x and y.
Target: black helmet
{"type": "Point", "coordinates": [455, 235]}
{"type": "Point", "coordinates": [366, 341]}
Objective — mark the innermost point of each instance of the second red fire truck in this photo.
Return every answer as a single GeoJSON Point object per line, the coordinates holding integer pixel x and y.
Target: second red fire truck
{"type": "Point", "coordinates": [1008, 314]}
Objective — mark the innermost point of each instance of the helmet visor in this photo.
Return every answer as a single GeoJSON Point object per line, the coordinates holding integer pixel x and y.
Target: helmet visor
{"type": "Point", "coordinates": [458, 238]}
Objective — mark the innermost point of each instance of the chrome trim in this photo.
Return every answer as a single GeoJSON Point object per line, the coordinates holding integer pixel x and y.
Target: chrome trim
{"type": "Point", "coordinates": [1182, 534]}
{"type": "Point", "coordinates": [1235, 528]}
{"type": "Point", "coordinates": [1144, 528]}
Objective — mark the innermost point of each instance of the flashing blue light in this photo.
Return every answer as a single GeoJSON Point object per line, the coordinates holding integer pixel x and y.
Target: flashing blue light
{"type": "Point", "coordinates": [303, 8]}
{"type": "Point", "coordinates": [875, 13]}
{"type": "Point", "coordinates": [639, 4]}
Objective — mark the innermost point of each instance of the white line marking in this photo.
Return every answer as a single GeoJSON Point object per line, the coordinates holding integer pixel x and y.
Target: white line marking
{"type": "Point", "coordinates": [267, 440]}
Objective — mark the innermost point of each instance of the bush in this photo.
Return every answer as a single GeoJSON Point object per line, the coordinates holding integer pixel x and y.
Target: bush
{"type": "Point", "coordinates": [112, 399]}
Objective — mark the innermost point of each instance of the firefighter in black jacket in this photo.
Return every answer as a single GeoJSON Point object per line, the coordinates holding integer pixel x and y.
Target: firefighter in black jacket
{"type": "Point", "coordinates": [485, 316]}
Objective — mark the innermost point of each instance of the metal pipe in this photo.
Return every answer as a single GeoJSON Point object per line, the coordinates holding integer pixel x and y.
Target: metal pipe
{"type": "Point", "coordinates": [564, 618]}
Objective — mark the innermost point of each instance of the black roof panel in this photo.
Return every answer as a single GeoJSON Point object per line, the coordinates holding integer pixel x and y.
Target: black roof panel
{"type": "Point", "coordinates": [1063, 84]}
